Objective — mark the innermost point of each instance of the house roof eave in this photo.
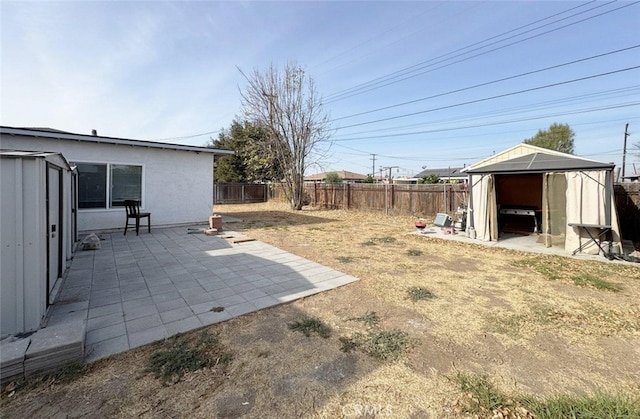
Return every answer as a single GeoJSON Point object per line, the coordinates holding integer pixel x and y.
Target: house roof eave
{"type": "Point", "coordinates": [52, 134]}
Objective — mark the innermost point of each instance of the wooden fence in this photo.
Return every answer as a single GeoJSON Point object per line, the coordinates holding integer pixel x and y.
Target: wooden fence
{"type": "Point", "coordinates": [628, 205]}
{"type": "Point", "coordinates": [428, 200]}
{"type": "Point", "coordinates": [239, 193]}
{"type": "Point", "coordinates": [422, 200]}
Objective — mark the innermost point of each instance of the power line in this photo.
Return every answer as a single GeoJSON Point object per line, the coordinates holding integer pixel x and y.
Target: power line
{"type": "Point", "coordinates": [627, 90]}
{"type": "Point", "coordinates": [363, 153]}
{"type": "Point", "coordinates": [371, 38]}
{"type": "Point", "coordinates": [593, 76]}
{"type": "Point", "coordinates": [441, 22]}
{"type": "Point", "coordinates": [444, 55]}
{"type": "Point", "coordinates": [404, 70]}
{"type": "Point", "coordinates": [492, 123]}
{"type": "Point", "coordinates": [389, 80]}
{"type": "Point", "coordinates": [187, 136]}
{"type": "Point", "coordinates": [528, 73]}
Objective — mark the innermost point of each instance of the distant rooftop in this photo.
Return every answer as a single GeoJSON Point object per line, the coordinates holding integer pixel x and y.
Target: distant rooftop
{"type": "Point", "coordinates": [442, 173]}
{"type": "Point", "coordinates": [345, 175]}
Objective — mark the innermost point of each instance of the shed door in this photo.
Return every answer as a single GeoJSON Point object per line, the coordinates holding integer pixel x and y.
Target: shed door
{"type": "Point", "coordinates": [54, 228]}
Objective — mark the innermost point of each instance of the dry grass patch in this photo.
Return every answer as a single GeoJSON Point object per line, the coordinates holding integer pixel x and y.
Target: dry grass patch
{"type": "Point", "coordinates": [598, 275]}
{"type": "Point", "coordinates": [186, 353]}
{"type": "Point", "coordinates": [482, 398]}
{"type": "Point", "coordinates": [541, 329]}
{"type": "Point", "coordinates": [385, 345]}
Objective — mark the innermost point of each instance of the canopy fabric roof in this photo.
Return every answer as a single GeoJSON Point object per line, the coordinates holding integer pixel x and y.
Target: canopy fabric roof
{"type": "Point", "coordinates": [540, 163]}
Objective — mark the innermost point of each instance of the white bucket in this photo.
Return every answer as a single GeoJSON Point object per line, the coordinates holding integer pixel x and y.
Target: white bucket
{"type": "Point", "coordinates": [611, 248]}
{"type": "Point", "coordinates": [471, 233]}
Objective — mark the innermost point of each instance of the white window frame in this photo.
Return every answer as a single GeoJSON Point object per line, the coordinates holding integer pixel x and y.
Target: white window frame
{"type": "Point", "coordinates": [111, 184]}
{"type": "Point", "coordinates": [108, 184]}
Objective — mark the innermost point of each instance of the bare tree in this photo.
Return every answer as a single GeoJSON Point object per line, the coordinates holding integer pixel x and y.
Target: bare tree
{"type": "Point", "coordinates": [287, 103]}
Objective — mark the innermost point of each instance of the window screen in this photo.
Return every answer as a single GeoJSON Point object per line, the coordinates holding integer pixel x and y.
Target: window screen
{"type": "Point", "coordinates": [126, 183]}
{"type": "Point", "coordinates": [92, 185]}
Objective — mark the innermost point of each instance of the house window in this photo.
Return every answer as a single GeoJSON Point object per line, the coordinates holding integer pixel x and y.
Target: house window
{"type": "Point", "coordinates": [126, 183]}
{"type": "Point", "coordinates": [96, 189]}
{"type": "Point", "coordinates": [92, 185]}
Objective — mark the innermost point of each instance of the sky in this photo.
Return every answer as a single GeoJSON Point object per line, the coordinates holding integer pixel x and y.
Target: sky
{"type": "Point", "coordinates": [413, 85]}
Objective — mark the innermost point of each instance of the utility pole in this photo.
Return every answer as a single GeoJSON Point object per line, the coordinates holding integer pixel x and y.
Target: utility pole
{"type": "Point", "coordinates": [624, 148]}
{"type": "Point", "coordinates": [373, 169]}
{"type": "Point", "coordinates": [389, 169]}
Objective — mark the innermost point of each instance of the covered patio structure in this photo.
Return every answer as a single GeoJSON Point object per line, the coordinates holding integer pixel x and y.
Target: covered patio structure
{"type": "Point", "coordinates": [566, 200]}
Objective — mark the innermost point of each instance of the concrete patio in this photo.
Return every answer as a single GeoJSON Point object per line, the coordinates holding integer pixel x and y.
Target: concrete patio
{"type": "Point", "coordinates": [140, 289]}
{"type": "Point", "coordinates": [136, 290]}
{"type": "Point", "coordinates": [520, 242]}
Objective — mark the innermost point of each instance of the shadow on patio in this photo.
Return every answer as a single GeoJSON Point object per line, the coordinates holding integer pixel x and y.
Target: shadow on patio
{"type": "Point", "coordinates": [140, 289]}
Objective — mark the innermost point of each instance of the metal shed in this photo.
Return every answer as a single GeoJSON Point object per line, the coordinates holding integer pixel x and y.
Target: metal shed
{"type": "Point", "coordinates": [37, 232]}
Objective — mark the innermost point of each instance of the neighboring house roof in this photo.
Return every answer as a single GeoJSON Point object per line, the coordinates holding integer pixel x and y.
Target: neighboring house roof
{"type": "Point", "coordinates": [61, 135]}
{"type": "Point", "coordinates": [345, 175]}
{"type": "Point", "coordinates": [540, 163]}
{"type": "Point", "coordinates": [442, 173]}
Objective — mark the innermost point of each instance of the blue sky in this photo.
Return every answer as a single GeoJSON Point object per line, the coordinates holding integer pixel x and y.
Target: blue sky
{"type": "Point", "coordinates": [168, 71]}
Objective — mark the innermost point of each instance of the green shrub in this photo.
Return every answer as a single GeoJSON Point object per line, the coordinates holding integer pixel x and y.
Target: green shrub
{"type": "Point", "coordinates": [584, 279]}
{"type": "Point", "coordinates": [309, 325]}
{"type": "Point", "coordinates": [416, 294]}
{"type": "Point", "coordinates": [598, 406]}
{"type": "Point", "coordinates": [370, 318]}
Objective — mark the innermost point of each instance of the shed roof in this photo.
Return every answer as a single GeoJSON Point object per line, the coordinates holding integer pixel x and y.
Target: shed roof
{"type": "Point", "coordinates": [53, 157]}
{"type": "Point", "coordinates": [540, 163]}
{"type": "Point", "coordinates": [61, 135]}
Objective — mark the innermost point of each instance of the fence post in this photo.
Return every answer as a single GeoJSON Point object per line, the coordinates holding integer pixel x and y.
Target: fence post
{"type": "Point", "coordinates": [393, 196]}
{"type": "Point", "coordinates": [411, 199]}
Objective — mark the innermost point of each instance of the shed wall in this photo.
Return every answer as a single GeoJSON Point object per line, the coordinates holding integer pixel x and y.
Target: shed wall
{"type": "Point", "coordinates": [22, 234]}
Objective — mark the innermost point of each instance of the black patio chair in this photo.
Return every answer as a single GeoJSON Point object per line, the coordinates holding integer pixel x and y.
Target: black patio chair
{"type": "Point", "coordinates": [133, 212]}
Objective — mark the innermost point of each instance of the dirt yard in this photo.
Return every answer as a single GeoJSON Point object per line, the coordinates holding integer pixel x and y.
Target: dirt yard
{"type": "Point", "coordinates": [535, 326]}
